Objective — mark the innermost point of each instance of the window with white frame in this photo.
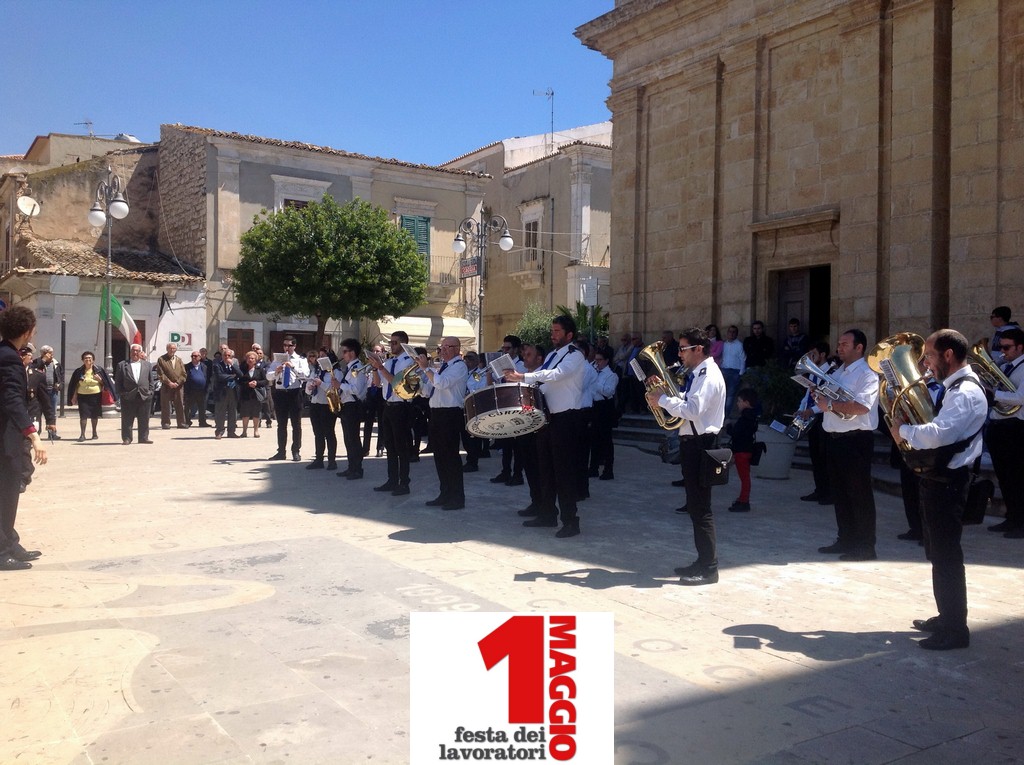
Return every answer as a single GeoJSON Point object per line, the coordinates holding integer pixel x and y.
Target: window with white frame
{"type": "Point", "coordinates": [530, 256]}
{"type": "Point", "coordinates": [297, 192]}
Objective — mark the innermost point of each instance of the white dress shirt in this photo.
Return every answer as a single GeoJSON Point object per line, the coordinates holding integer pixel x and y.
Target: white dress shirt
{"type": "Point", "coordinates": [300, 373]}
{"type": "Point", "coordinates": [1016, 375]}
{"type": "Point", "coordinates": [395, 366]}
{"type": "Point", "coordinates": [318, 393]}
{"type": "Point", "coordinates": [703, 404]}
{"type": "Point", "coordinates": [474, 384]}
{"type": "Point", "coordinates": [964, 410]}
{"type": "Point", "coordinates": [449, 382]}
{"type": "Point", "coordinates": [352, 386]}
{"type": "Point", "coordinates": [862, 383]}
{"type": "Point", "coordinates": [604, 385]}
{"type": "Point", "coordinates": [562, 376]}
{"type": "Point", "coordinates": [589, 381]}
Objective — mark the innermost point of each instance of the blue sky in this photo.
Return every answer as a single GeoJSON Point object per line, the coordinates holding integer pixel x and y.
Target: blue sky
{"type": "Point", "coordinates": [417, 81]}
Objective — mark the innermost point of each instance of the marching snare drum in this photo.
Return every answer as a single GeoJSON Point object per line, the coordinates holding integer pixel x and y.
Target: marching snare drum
{"type": "Point", "coordinates": [505, 410]}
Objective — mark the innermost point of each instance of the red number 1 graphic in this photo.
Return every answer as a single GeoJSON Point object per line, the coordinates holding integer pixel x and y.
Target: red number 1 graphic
{"type": "Point", "coordinates": [521, 639]}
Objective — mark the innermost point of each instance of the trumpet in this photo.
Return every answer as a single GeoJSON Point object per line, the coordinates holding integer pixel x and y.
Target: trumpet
{"type": "Point", "coordinates": [992, 375]}
{"type": "Point", "coordinates": [813, 377]}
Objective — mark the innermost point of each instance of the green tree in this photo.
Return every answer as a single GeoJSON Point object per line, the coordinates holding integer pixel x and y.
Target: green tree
{"type": "Point", "coordinates": [586, 328]}
{"type": "Point", "coordinates": [330, 261]}
{"type": "Point", "coordinates": [535, 325]}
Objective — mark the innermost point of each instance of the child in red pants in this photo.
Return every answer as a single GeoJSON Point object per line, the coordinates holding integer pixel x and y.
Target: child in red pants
{"type": "Point", "coordinates": [742, 432]}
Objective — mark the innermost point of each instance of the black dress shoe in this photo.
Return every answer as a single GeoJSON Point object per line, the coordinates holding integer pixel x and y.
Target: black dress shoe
{"type": "Point", "coordinates": [593, 473]}
{"type": "Point", "coordinates": [400, 491]}
{"type": "Point", "coordinates": [469, 468]}
{"type": "Point", "coordinates": [345, 473]}
{"type": "Point", "coordinates": [10, 563]}
{"type": "Point", "coordinates": [145, 441]}
{"type": "Point", "coordinates": [277, 456]}
{"type": "Point", "coordinates": [812, 497]}
{"type": "Point", "coordinates": [355, 475]}
{"type": "Point", "coordinates": [909, 536]}
{"type": "Point", "coordinates": [928, 625]}
{"type": "Point", "coordinates": [296, 457]}
{"type": "Point", "coordinates": [834, 548]}
{"type": "Point", "coordinates": [682, 510]}
{"type": "Point", "coordinates": [23, 555]}
{"type": "Point", "coordinates": [826, 500]}
{"type": "Point", "coordinates": [680, 482]}
{"type": "Point", "coordinates": [706, 576]}
{"type": "Point", "coordinates": [436, 502]}
{"type": "Point", "coordinates": [386, 487]}
{"type": "Point", "coordinates": [501, 478]}
{"type": "Point", "coordinates": [607, 475]}
{"type": "Point", "coordinates": [868, 553]}
{"type": "Point", "coordinates": [569, 530]}
{"type": "Point", "coordinates": [332, 465]}
{"type": "Point", "coordinates": [126, 442]}
{"type": "Point", "coordinates": [947, 640]}
{"type": "Point", "coordinates": [414, 458]}
{"type": "Point", "coordinates": [516, 480]}
{"type": "Point", "coordinates": [691, 570]}
{"type": "Point", "coordinates": [739, 507]}
{"type": "Point", "coordinates": [315, 465]}
{"type": "Point", "coordinates": [1001, 526]}
{"type": "Point", "coordinates": [453, 506]}
{"type": "Point", "coordinates": [528, 512]}
{"type": "Point", "coordinates": [1017, 533]}
{"type": "Point", "coordinates": [541, 522]}
{"type": "Point", "coordinates": [80, 439]}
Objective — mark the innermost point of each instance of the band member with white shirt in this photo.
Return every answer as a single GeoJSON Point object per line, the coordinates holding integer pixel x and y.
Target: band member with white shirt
{"type": "Point", "coordinates": [511, 455]}
{"type": "Point", "coordinates": [602, 450]}
{"type": "Point", "coordinates": [961, 410]}
{"type": "Point", "coordinates": [446, 420]}
{"type": "Point", "coordinates": [1005, 435]}
{"type": "Point", "coordinates": [849, 430]}
{"type": "Point", "coordinates": [351, 385]}
{"type": "Point", "coordinates": [321, 418]}
{"type": "Point", "coordinates": [396, 422]}
{"type": "Point", "coordinates": [702, 409]}
{"type": "Point", "coordinates": [561, 378]}
{"type": "Point", "coordinates": [289, 377]}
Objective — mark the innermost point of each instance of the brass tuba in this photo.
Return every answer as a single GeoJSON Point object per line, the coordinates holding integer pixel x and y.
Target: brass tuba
{"type": "Point", "coordinates": [650, 362]}
{"type": "Point", "coordinates": [408, 383]}
{"type": "Point", "coordinates": [902, 387]}
{"type": "Point", "coordinates": [992, 375]}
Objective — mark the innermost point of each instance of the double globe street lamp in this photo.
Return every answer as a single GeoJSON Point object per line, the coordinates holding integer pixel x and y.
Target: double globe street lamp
{"type": "Point", "coordinates": [110, 203]}
{"type": "Point", "coordinates": [477, 231]}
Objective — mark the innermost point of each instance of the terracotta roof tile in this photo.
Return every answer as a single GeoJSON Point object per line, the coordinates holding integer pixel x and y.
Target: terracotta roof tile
{"type": "Point", "coordinates": [64, 256]}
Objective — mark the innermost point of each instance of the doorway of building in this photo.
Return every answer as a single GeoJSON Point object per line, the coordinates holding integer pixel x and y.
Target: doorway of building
{"type": "Point", "coordinates": [304, 341]}
{"type": "Point", "coordinates": [805, 294]}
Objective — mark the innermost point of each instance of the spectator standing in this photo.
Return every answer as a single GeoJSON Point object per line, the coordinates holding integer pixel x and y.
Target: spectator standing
{"type": "Point", "coordinates": [252, 392]}
{"type": "Point", "coordinates": [38, 401]}
{"type": "Point", "coordinates": [171, 373]}
{"type": "Point", "coordinates": [670, 347]}
{"type": "Point", "coordinates": [225, 395]}
{"type": "Point", "coordinates": [743, 433]}
{"type": "Point", "coordinates": [717, 343]}
{"type": "Point", "coordinates": [794, 346]}
{"type": "Point", "coordinates": [197, 386]}
{"type": "Point", "coordinates": [734, 364]}
{"type": "Point", "coordinates": [87, 384]}
{"type": "Point", "coordinates": [758, 347]}
{"type": "Point", "coordinates": [133, 381]}
{"type": "Point", "coordinates": [54, 374]}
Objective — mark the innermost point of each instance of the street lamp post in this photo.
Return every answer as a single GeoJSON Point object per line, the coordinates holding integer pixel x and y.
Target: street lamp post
{"type": "Point", "coordinates": [110, 203]}
{"type": "Point", "coordinates": [477, 231]}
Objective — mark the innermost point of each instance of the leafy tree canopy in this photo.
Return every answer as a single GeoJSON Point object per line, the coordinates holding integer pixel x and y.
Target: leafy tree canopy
{"type": "Point", "coordinates": [535, 325]}
{"type": "Point", "coordinates": [330, 261]}
{"type": "Point", "coordinates": [585, 328]}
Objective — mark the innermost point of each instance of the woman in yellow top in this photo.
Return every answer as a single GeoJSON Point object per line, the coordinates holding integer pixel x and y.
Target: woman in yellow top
{"type": "Point", "coordinates": [86, 387]}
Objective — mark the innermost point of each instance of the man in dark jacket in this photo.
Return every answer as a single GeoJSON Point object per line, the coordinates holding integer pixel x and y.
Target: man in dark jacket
{"type": "Point", "coordinates": [19, 441]}
{"type": "Point", "coordinates": [133, 381]}
{"type": "Point", "coordinates": [53, 371]}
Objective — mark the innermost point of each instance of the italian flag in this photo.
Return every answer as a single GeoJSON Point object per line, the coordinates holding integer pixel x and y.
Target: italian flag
{"type": "Point", "coordinates": [119, 318]}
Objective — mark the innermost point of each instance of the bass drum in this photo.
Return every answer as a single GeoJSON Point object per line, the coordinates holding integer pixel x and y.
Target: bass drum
{"type": "Point", "coordinates": [505, 411]}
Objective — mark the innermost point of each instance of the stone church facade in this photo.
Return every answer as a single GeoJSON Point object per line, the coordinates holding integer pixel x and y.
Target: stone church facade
{"type": "Point", "coordinates": [846, 162]}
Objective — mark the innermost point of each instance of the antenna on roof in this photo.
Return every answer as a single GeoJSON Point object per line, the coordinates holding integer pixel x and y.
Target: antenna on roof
{"type": "Point", "coordinates": [550, 93]}
{"type": "Point", "coordinates": [88, 123]}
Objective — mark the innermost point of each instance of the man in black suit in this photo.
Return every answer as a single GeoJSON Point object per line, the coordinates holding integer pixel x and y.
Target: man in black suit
{"type": "Point", "coordinates": [133, 381]}
{"type": "Point", "coordinates": [19, 441]}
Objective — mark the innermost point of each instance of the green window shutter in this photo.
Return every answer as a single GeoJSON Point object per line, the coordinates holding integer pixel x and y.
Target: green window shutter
{"type": "Point", "coordinates": [419, 227]}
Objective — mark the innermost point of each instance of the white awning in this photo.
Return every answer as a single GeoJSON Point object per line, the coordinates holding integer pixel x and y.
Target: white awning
{"type": "Point", "coordinates": [424, 330]}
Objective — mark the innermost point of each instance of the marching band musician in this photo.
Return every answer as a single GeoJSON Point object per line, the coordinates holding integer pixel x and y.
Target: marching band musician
{"type": "Point", "coordinates": [702, 408]}
{"type": "Point", "coordinates": [473, 445]}
{"type": "Point", "coordinates": [288, 377]}
{"type": "Point", "coordinates": [808, 410]}
{"type": "Point", "coordinates": [961, 412]}
{"type": "Point", "coordinates": [321, 418]}
{"type": "Point", "coordinates": [602, 451]}
{"type": "Point", "coordinates": [533, 358]}
{"type": "Point", "coordinates": [1005, 434]}
{"type": "Point", "coordinates": [446, 419]}
{"type": "Point", "coordinates": [351, 387]}
{"type": "Point", "coordinates": [562, 376]}
{"type": "Point", "coordinates": [396, 422]}
{"type": "Point", "coordinates": [511, 448]}
{"type": "Point", "coordinates": [849, 427]}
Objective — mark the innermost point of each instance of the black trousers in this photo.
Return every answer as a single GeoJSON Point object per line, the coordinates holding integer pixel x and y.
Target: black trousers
{"type": "Point", "coordinates": [849, 473]}
{"type": "Point", "coordinates": [351, 418]}
{"type": "Point", "coordinates": [288, 407]}
{"type": "Point", "coordinates": [942, 508]}
{"type": "Point", "coordinates": [1005, 439]}
{"type": "Point", "coordinates": [396, 427]}
{"type": "Point", "coordinates": [373, 411]}
{"type": "Point", "coordinates": [557, 449]}
{"type": "Point", "coordinates": [816, 445]}
{"type": "Point", "coordinates": [195, 401]}
{"type": "Point", "coordinates": [527, 446]}
{"type": "Point", "coordinates": [133, 408]}
{"type": "Point", "coordinates": [322, 420]}
{"type": "Point", "coordinates": [474, 447]}
{"type": "Point", "coordinates": [602, 448]}
{"type": "Point", "coordinates": [698, 498]}
{"type": "Point", "coordinates": [511, 457]}
{"type": "Point", "coordinates": [445, 433]}
{"type": "Point", "coordinates": [10, 494]}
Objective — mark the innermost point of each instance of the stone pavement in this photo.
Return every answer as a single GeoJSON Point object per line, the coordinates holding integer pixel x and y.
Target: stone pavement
{"type": "Point", "coordinates": [198, 604]}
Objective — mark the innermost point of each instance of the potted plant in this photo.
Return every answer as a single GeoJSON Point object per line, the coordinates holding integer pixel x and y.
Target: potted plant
{"type": "Point", "coordinates": [779, 398]}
